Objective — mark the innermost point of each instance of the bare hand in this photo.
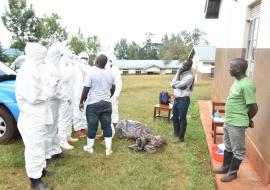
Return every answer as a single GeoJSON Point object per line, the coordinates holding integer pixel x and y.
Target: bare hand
{"type": "Point", "coordinates": [251, 124]}
{"type": "Point", "coordinates": [81, 107]}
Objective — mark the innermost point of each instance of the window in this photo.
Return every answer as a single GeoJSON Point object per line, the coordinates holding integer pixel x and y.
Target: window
{"type": "Point", "coordinates": [125, 72]}
{"type": "Point", "coordinates": [212, 9]}
{"type": "Point", "coordinates": [212, 72]}
{"type": "Point", "coordinates": [174, 71]}
{"type": "Point", "coordinates": [138, 72]}
{"type": "Point", "coordinates": [252, 38]}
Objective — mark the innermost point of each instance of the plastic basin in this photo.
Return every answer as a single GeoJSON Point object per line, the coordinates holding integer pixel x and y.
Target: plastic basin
{"type": "Point", "coordinates": [217, 156]}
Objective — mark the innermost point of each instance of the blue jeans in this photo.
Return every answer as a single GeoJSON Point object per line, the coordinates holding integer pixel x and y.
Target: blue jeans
{"type": "Point", "coordinates": [100, 111]}
{"type": "Point", "coordinates": [180, 108]}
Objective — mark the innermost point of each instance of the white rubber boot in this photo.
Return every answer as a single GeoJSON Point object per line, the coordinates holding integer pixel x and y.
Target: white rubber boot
{"type": "Point", "coordinates": [108, 145]}
{"type": "Point", "coordinates": [66, 146]}
{"type": "Point", "coordinates": [64, 143]}
{"type": "Point", "coordinates": [113, 130]}
{"type": "Point", "coordinates": [89, 146]}
{"type": "Point", "coordinates": [72, 140]}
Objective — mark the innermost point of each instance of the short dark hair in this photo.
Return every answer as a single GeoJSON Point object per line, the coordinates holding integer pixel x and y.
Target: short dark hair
{"type": "Point", "coordinates": [242, 64]}
{"type": "Point", "coordinates": [101, 60]}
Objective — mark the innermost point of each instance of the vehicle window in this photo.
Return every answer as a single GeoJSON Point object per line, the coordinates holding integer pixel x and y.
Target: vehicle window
{"type": "Point", "coordinates": [19, 64]}
{"type": "Point", "coordinates": [5, 70]}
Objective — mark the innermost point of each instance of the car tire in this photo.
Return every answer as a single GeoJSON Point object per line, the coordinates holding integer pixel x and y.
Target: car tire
{"type": "Point", "coordinates": [8, 122]}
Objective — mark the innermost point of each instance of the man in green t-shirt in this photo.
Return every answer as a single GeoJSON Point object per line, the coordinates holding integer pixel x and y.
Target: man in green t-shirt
{"type": "Point", "coordinates": [240, 108]}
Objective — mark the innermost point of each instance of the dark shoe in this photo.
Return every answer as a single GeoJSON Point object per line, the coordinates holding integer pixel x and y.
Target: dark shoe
{"type": "Point", "coordinates": [182, 132]}
{"type": "Point", "coordinates": [232, 173]}
{"type": "Point", "coordinates": [176, 129]}
{"type": "Point", "coordinates": [60, 155]}
{"type": "Point", "coordinates": [46, 173]}
{"type": "Point", "coordinates": [50, 162]}
{"type": "Point", "coordinates": [229, 177]}
{"type": "Point", "coordinates": [178, 140]}
{"type": "Point", "coordinates": [38, 184]}
{"type": "Point", "coordinates": [226, 163]}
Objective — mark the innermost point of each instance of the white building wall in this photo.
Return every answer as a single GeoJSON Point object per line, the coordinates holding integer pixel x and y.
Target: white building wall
{"type": "Point", "coordinates": [232, 24]}
{"type": "Point", "coordinates": [131, 71]}
{"type": "Point", "coordinates": [201, 66]}
{"type": "Point", "coordinates": [264, 25]}
{"type": "Point", "coordinates": [168, 71]}
{"type": "Point", "coordinates": [153, 69]}
{"type": "Point", "coordinates": [204, 67]}
{"type": "Point", "coordinates": [195, 62]}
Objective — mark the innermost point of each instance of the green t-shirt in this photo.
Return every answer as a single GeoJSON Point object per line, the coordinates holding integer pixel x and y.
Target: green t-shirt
{"type": "Point", "coordinates": [241, 94]}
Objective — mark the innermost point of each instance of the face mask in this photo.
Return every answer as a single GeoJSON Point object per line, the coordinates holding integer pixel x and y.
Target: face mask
{"type": "Point", "coordinates": [85, 62]}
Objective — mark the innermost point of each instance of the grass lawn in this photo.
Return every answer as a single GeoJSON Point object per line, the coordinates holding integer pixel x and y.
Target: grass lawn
{"type": "Point", "coordinates": [177, 166]}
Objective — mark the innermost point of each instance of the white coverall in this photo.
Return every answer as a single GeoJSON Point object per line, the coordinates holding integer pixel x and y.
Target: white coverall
{"type": "Point", "coordinates": [34, 111]}
{"type": "Point", "coordinates": [66, 107]}
{"type": "Point", "coordinates": [54, 55]}
{"type": "Point", "coordinates": [79, 118]}
{"type": "Point", "coordinates": [115, 97]}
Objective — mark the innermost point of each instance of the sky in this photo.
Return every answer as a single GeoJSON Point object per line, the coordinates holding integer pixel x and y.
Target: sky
{"type": "Point", "coordinates": [112, 20]}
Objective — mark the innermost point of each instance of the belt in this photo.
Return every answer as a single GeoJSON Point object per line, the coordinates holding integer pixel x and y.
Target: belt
{"type": "Point", "coordinates": [178, 98]}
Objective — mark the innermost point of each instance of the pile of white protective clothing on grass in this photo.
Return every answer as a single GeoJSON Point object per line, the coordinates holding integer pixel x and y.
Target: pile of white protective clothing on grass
{"type": "Point", "coordinates": [145, 140]}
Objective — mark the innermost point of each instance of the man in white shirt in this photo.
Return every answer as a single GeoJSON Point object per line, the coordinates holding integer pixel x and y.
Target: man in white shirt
{"type": "Point", "coordinates": [115, 98]}
{"type": "Point", "coordinates": [182, 84]}
{"type": "Point", "coordinates": [98, 89]}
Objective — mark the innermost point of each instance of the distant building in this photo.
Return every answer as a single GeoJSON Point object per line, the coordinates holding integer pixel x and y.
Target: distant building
{"type": "Point", "coordinates": [12, 52]}
{"type": "Point", "coordinates": [140, 67]}
{"type": "Point", "coordinates": [244, 28]}
{"type": "Point", "coordinates": [203, 61]}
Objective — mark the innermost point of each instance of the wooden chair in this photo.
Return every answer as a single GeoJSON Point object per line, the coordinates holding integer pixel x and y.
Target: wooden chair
{"type": "Point", "coordinates": [163, 107]}
{"type": "Point", "coordinates": [220, 107]}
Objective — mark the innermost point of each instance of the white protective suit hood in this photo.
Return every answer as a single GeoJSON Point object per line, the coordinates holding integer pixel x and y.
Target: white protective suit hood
{"type": "Point", "coordinates": [35, 51]}
{"type": "Point", "coordinates": [55, 52]}
{"type": "Point", "coordinates": [53, 59]}
{"type": "Point", "coordinates": [84, 58]}
{"type": "Point", "coordinates": [29, 81]}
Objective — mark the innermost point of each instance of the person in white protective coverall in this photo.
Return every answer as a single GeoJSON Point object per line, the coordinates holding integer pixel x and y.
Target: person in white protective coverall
{"type": "Point", "coordinates": [66, 107]}
{"type": "Point", "coordinates": [79, 118]}
{"type": "Point", "coordinates": [55, 52]}
{"type": "Point", "coordinates": [115, 98]}
{"type": "Point", "coordinates": [35, 114]}
{"type": "Point", "coordinates": [98, 88]}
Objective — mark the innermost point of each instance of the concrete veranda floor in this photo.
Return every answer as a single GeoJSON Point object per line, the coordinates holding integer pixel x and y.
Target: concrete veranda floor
{"type": "Point", "coordinates": [247, 178]}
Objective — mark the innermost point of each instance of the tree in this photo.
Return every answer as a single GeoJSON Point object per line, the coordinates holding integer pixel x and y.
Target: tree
{"type": "Point", "coordinates": [77, 43]}
{"type": "Point", "coordinates": [173, 48]}
{"type": "Point", "coordinates": [178, 46]}
{"type": "Point", "coordinates": [93, 46]}
{"type": "Point", "coordinates": [52, 30]}
{"type": "Point", "coordinates": [150, 50]}
{"type": "Point", "coordinates": [195, 37]}
{"type": "Point", "coordinates": [121, 49]}
{"type": "Point", "coordinates": [125, 50]}
{"type": "Point", "coordinates": [3, 57]}
{"type": "Point", "coordinates": [133, 51]}
{"type": "Point", "coordinates": [22, 22]}
{"type": "Point", "coordinates": [90, 44]}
